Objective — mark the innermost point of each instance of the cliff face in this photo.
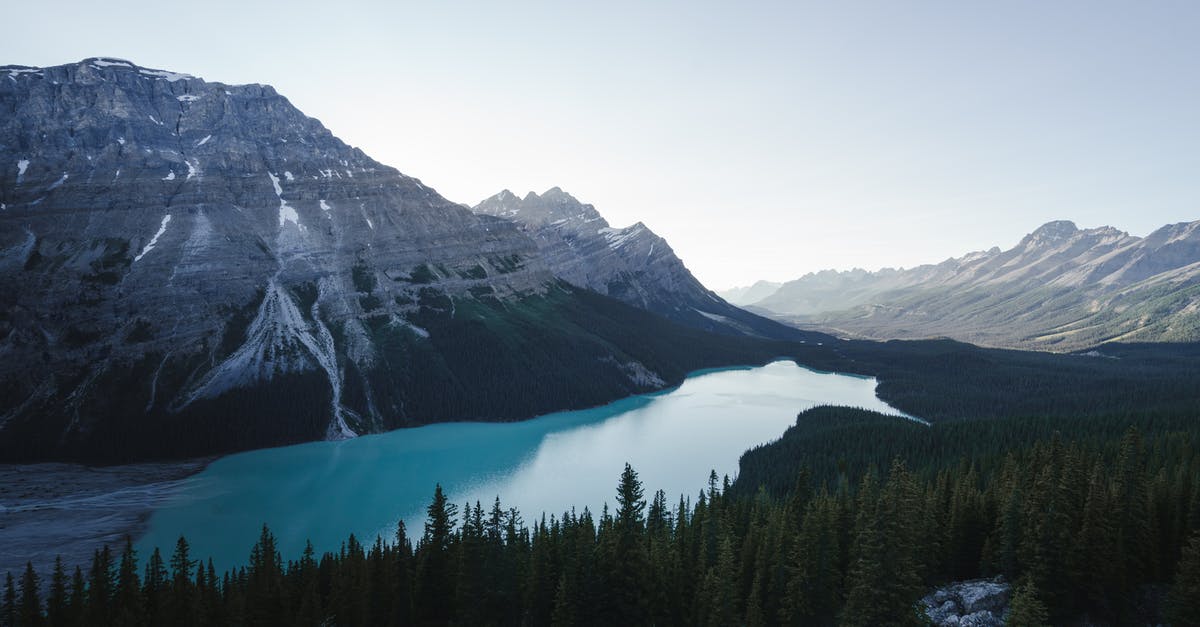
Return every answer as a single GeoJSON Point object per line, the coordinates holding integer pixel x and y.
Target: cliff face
{"type": "Point", "coordinates": [632, 264]}
{"type": "Point", "coordinates": [204, 260]}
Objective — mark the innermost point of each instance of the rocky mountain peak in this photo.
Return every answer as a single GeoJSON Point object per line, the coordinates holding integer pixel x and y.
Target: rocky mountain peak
{"type": "Point", "coordinates": [129, 196]}
{"type": "Point", "coordinates": [632, 264]}
{"type": "Point", "coordinates": [553, 207]}
{"type": "Point", "coordinates": [1051, 232]}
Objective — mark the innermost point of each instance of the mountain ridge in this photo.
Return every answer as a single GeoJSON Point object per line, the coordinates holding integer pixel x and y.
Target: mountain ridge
{"type": "Point", "coordinates": [632, 264]}
{"type": "Point", "coordinates": [1059, 288]}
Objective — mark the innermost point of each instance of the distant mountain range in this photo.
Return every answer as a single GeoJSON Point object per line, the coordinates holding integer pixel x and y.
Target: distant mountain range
{"type": "Point", "coordinates": [750, 294]}
{"type": "Point", "coordinates": [1060, 288]}
{"type": "Point", "coordinates": [189, 267]}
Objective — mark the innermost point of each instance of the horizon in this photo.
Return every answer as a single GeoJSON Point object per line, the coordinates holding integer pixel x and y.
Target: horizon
{"type": "Point", "coordinates": [763, 144]}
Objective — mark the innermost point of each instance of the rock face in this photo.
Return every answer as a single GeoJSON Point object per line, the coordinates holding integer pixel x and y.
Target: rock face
{"type": "Point", "coordinates": [1060, 288]}
{"type": "Point", "coordinates": [978, 603]}
{"type": "Point", "coordinates": [191, 267]}
{"type": "Point", "coordinates": [632, 264]}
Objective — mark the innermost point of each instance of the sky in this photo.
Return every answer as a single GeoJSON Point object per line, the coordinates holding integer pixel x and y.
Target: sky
{"type": "Point", "coordinates": [763, 140]}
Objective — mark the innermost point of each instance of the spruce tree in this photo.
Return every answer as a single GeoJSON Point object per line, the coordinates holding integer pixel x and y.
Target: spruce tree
{"type": "Point", "coordinates": [8, 607]}
{"type": "Point", "coordinates": [77, 607]}
{"type": "Point", "coordinates": [435, 579]}
{"type": "Point", "coordinates": [59, 597]}
{"type": "Point", "coordinates": [29, 613]}
{"type": "Point", "coordinates": [100, 588]}
{"type": "Point", "coordinates": [128, 608]}
{"type": "Point", "coordinates": [1183, 607]}
{"type": "Point", "coordinates": [156, 588]}
{"type": "Point", "coordinates": [628, 563]}
{"type": "Point", "coordinates": [181, 601]}
{"type": "Point", "coordinates": [1026, 609]}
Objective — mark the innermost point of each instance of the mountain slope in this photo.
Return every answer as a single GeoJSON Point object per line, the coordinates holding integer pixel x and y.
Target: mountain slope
{"type": "Point", "coordinates": [632, 264]}
{"type": "Point", "coordinates": [188, 267]}
{"type": "Point", "coordinates": [1060, 288]}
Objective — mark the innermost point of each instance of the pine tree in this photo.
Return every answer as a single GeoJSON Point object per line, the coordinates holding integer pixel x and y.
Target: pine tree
{"type": "Point", "coordinates": [1093, 554]}
{"type": "Point", "coordinates": [309, 613]}
{"type": "Point", "coordinates": [128, 594]}
{"type": "Point", "coordinates": [59, 598]}
{"type": "Point", "coordinates": [181, 602]}
{"type": "Point", "coordinates": [1026, 610]}
{"type": "Point", "coordinates": [100, 588]}
{"type": "Point", "coordinates": [264, 585]}
{"type": "Point", "coordinates": [884, 582]}
{"type": "Point", "coordinates": [565, 612]}
{"type": "Point", "coordinates": [1184, 601]}
{"type": "Point", "coordinates": [402, 558]}
{"type": "Point", "coordinates": [628, 563]}
{"type": "Point", "coordinates": [8, 607]}
{"type": "Point", "coordinates": [77, 607]}
{"type": "Point", "coordinates": [434, 599]}
{"type": "Point", "coordinates": [29, 613]}
{"type": "Point", "coordinates": [156, 588]}
{"type": "Point", "coordinates": [813, 590]}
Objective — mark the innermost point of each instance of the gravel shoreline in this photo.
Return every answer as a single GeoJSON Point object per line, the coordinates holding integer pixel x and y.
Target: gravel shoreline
{"type": "Point", "coordinates": [71, 510]}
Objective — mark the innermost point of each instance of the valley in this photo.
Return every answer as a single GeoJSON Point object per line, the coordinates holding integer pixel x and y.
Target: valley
{"type": "Point", "coordinates": [238, 356]}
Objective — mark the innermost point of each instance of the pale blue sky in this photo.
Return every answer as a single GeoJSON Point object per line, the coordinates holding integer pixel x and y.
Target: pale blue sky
{"type": "Point", "coordinates": [763, 140]}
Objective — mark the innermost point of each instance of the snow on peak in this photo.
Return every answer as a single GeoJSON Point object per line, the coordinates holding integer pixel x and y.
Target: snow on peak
{"type": "Point", "coordinates": [20, 70]}
{"type": "Point", "coordinates": [110, 62]}
{"type": "Point", "coordinates": [170, 77]}
{"type": "Point", "coordinates": [203, 141]}
{"type": "Point", "coordinates": [170, 176]}
{"type": "Point", "coordinates": [22, 165]}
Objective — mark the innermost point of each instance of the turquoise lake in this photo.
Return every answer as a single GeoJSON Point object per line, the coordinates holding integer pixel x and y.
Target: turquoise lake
{"type": "Point", "coordinates": [323, 491]}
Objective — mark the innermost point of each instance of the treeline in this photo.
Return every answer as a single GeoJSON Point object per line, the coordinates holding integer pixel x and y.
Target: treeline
{"type": "Point", "coordinates": [830, 442]}
{"type": "Point", "coordinates": [945, 380]}
{"type": "Point", "coordinates": [1085, 534]}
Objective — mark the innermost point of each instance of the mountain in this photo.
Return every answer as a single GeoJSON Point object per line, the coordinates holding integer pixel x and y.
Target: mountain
{"type": "Point", "coordinates": [750, 294]}
{"type": "Point", "coordinates": [632, 264]}
{"type": "Point", "coordinates": [1060, 288]}
{"type": "Point", "coordinates": [189, 267]}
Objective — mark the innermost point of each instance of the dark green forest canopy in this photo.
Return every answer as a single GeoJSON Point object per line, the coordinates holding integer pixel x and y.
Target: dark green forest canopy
{"type": "Point", "coordinates": [945, 380]}
{"type": "Point", "coordinates": [1085, 527]}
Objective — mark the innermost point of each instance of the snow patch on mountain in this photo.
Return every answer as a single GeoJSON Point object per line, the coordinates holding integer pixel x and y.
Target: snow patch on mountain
{"type": "Point", "coordinates": [162, 228]}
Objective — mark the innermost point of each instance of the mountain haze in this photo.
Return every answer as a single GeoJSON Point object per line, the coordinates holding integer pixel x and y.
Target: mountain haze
{"type": "Point", "coordinates": [1060, 288]}
{"type": "Point", "coordinates": [750, 294]}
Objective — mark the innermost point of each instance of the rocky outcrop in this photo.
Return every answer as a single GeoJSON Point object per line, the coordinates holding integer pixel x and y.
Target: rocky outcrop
{"type": "Point", "coordinates": [978, 603]}
{"type": "Point", "coordinates": [1060, 288]}
{"type": "Point", "coordinates": [201, 267]}
{"type": "Point", "coordinates": [632, 264]}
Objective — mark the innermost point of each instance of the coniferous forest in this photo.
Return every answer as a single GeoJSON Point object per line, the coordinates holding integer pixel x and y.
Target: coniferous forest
{"type": "Point", "coordinates": [1088, 526]}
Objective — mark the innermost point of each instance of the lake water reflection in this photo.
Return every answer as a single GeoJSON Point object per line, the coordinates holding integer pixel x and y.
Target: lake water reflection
{"type": "Point", "coordinates": [323, 491]}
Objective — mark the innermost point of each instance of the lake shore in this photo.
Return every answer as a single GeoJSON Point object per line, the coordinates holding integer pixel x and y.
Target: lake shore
{"type": "Point", "coordinates": [71, 510]}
